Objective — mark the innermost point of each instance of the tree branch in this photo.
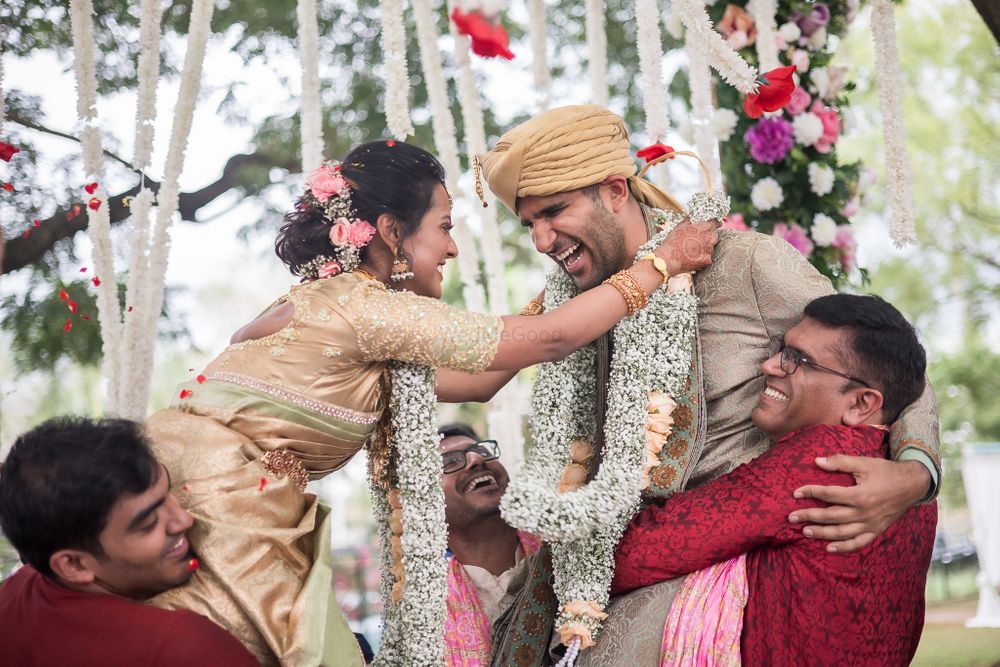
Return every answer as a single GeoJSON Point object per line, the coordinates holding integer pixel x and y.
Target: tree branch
{"type": "Point", "coordinates": [27, 122]}
{"type": "Point", "coordinates": [22, 251]}
{"type": "Point", "coordinates": [990, 11]}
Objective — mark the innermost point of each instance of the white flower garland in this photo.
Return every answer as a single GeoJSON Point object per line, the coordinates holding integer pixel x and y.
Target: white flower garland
{"type": "Point", "coordinates": [597, 51]}
{"type": "Point", "coordinates": [539, 57]}
{"type": "Point", "coordinates": [414, 626]}
{"type": "Point", "coordinates": [903, 228]}
{"type": "Point", "coordinates": [443, 125]}
{"type": "Point", "coordinates": [763, 13]}
{"type": "Point", "coordinates": [650, 46]}
{"type": "Point", "coordinates": [397, 79]}
{"type": "Point", "coordinates": [312, 129]}
{"type": "Point", "coordinates": [728, 63]}
{"type": "Point", "coordinates": [3, 98]}
{"type": "Point", "coordinates": [99, 221]}
{"type": "Point", "coordinates": [151, 294]}
{"type": "Point", "coordinates": [703, 111]}
{"type": "Point", "coordinates": [653, 351]}
{"type": "Point", "coordinates": [137, 342]}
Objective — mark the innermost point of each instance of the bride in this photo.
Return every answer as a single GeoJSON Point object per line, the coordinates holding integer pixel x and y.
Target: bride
{"type": "Point", "coordinates": [300, 389]}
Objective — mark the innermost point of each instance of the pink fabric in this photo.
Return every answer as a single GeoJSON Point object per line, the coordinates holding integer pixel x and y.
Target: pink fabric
{"type": "Point", "coordinates": [466, 627]}
{"type": "Point", "coordinates": [706, 619]}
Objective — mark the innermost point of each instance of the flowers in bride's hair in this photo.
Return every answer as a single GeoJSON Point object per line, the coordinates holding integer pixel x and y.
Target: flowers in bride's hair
{"type": "Point", "coordinates": [738, 27]}
{"type": "Point", "coordinates": [799, 101]}
{"type": "Point", "coordinates": [325, 182]}
{"type": "Point", "coordinates": [808, 128]}
{"type": "Point", "coordinates": [724, 122]}
{"type": "Point", "coordinates": [340, 233]}
{"type": "Point", "coordinates": [330, 268]}
{"type": "Point", "coordinates": [766, 194]}
{"type": "Point", "coordinates": [823, 230]}
{"type": "Point", "coordinates": [361, 233]}
{"type": "Point", "coordinates": [821, 178]}
{"type": "Point", "coordinates": [770, 139]}
{"type": "Point", "coordinates": [796, 235]}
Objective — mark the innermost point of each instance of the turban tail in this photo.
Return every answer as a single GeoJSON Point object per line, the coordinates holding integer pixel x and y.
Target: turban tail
{"type": "Point", "coordinates": [566, 149]}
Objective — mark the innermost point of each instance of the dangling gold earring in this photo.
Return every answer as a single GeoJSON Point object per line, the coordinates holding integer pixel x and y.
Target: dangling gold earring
{"type": "Point", "coordinates": [400, 268]}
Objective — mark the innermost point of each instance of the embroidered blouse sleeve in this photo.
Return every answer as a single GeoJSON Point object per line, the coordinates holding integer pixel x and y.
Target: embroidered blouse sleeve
{"type": "Point", "coordinates": [407, 327]}
{"type": "Point", "coordinates": [738, 512]}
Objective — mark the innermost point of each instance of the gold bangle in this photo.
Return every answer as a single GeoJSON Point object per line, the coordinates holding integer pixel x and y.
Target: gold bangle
{"type": "Point", "coordinates": [631, 290]}
{"type": "Point", "coordinates": [534, 307]}
{"type": "Point", "coordinates": [659, 264]}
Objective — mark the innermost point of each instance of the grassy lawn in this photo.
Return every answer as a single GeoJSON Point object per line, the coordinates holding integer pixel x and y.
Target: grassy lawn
{"type": "Point", "coordinates": [946, 641]}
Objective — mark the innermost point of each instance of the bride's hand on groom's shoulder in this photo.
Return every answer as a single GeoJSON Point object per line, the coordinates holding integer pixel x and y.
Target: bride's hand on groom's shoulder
{"type": "Point", "coordinates": [688, 248]}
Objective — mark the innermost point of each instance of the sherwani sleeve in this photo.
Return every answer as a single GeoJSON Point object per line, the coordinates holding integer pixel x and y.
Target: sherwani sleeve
{"type": "Point", "coordinates": [784, 283]}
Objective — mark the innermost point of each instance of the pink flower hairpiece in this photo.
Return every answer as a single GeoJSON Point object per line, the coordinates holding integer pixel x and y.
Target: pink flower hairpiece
{"type": "Point", "coordinates": [330, 192]}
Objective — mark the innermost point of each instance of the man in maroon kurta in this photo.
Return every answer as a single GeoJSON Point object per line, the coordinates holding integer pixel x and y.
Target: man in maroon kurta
{"type": "Point", "coordinates": [89, 510]}
{"type": "Point", "coordinates": [858, 364]}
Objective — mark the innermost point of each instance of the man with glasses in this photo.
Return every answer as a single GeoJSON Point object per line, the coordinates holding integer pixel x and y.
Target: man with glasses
{"type": "Point", "coordinates": [488, 560]}
{"type": "Point", "coordinates": [833, 385]}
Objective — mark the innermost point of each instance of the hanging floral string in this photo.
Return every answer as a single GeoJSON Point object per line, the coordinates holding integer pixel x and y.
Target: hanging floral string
{"type": "Point", "coordinates": [99, 222]}
{"type": "Point", "coordinates": [151, 295]}
{"type": "Point", "coordinates": [539, 57]}
{"type": "Point", "coordinates": [137, 341]}
{"type": "Point", "coordinates": [731, 67]}
{"type": "Point", "coordinates": [703, 111]}
{"type": "Point", "coordinates": [890, 101]}
{"type": "Point", "coordinates": [397, 79]}
{"type": "Point", "coordinates": [312, 130]}
{"type": "Point", "coordinates": [443, 125]}
{"type": "Point", "coordinates": [3, 98]}
{"type": "Point", "coordinates": [650, 45]}
{"type": "Point", "coordinates": [763, 13]}
{"type": "Point", "coordinates": [597, 51]}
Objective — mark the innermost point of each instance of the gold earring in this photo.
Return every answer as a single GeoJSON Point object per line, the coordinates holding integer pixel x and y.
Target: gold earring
{"type": "Point", "coordinates": [400, 268]}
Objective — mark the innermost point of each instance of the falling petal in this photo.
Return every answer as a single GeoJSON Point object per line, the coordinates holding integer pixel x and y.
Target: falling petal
{"type": "Point", "coordinates": [263, 483]}
{"type": "Point", "coordinates": [69, 324]}
{"type": "Point", "coordinates": [63, 295]}
{"type": "Point", "coordinates": [185, 393]}
{"type": "Point", "coordinates": [200, 379]}
{"type": "Point", "coordinates": [36, 223]}
{"type": "Point", "coordinates": [193, 565]}
{"type": "Point", "coordinates": [90, 188]}
{"type": "Point", "coordinates": [72, 306]}
{"type": "Point", "coordinates": [96, 281]}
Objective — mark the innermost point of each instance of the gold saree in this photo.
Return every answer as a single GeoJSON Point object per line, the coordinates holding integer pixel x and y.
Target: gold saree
{"type": "Point", "coordinates": [273, 413]}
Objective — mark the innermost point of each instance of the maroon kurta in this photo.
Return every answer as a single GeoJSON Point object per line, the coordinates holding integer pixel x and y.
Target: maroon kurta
{"type": "Point", "coordinates": [806, 606]}
{"type": "Point", "coordinates": [44, 624]}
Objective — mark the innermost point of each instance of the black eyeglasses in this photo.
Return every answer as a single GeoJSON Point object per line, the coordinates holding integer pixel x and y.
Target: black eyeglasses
{"type": "Point", "coordinates": [456, 459]}
{"type": "Point", "coordinates": [791, 359]}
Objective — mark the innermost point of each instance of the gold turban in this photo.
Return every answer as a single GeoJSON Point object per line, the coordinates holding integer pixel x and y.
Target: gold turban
{"type": "Point", "coordinates": [566, 149]}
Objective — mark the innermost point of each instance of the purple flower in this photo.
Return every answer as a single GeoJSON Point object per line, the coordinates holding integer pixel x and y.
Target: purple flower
{"type": "Point", "coordinates": [770, 140]}
{"type": "Point", "coordinates": [813, 21]}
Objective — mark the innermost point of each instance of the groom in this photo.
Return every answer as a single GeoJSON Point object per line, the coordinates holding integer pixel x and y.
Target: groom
{"type": "Point", "coordinates": [569, 175]}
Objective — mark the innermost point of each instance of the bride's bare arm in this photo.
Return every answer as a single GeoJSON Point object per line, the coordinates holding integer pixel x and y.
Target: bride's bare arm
{"type": "Point", "coordinates": [459, 387]}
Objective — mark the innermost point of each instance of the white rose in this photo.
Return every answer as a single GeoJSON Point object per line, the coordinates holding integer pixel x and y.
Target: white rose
{"type": "Point", "coordinates": [800, 58]}
{"type": "Point", "coordinates": [789, 32]}
{"type": "Point", "coordinates": [817, 39]}
{"type": "Point", "coordinates": [820, 178]}
{"type": "Point", "coordinates": [808, 128]}
{"type": "Point", "coordinates": [824, 229]}
{"type": "Point", "coordinates": [724, 122]}
{"type": "Point", "coordinates": [766, 194]}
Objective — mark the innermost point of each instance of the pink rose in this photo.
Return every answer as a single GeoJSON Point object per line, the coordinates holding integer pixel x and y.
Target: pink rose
{"type": "Point", "coordinates": [800, 100]}
{"type": "Point", "coordinates": [795, 235]}
{"type": "Point", "coordinates": [340, 233]}
{"type": "Point", "coordinates": [844, 241]}
{"type": "Point", "coordinates": [801, 60]}
{"type": "Point", "coordinates": [735, 220]}
{"type": "Point", "coordinates": [325, 182]}
{"type": "Point", "coordinates": [850, 208]}
{"type": "Point", "coordinates": [330, 268]}
{"type": "Point", "coordinates": [361, 233]}
{"type": "Point", "coordinates": [831, 126]}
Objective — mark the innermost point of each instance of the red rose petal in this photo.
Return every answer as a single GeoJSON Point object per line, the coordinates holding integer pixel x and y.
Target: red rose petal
{"type": "Point", "coordinates": [86, 317]}
{"type": "Point", "coordinates": [63, 295]}
{"type": "Point", "coordinates": [94, 203]}
{"type": "Point", "coordinates": [7, 151]}
{"type": "Point", "coordinates": [650, 153]}
{"type": "Point", "coordinates": [26, 233]}
{"type": "Point", "coordinates": [76, 209]}
{"type": "Point", "coordinates": [69, 324]}
{"type": "Point", "coordinates": [185, 393]}
{"type": "Point", "coordinates": [200, 379]}
{"type": "Point", "coordinates": [90, 188]}
{"type": "Point", "coordinates": [72, 306]}
{"type": "Point", "coordinates": [390, 143]}
{"type": "Point", "coordinates": [129, 309]}
{"type": "Point", "coordinates": [263, 483]}
{"type": "Point", "coordinates": [36, 223]}
{"type": "Point", "coordinates": [83, 270]}
{"type": "Point", "coordinates": [8, 187]}
{"type": "Point", "coordinates": [193, 565]}
{"type": "Point", "coordinates": [96, 281]}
